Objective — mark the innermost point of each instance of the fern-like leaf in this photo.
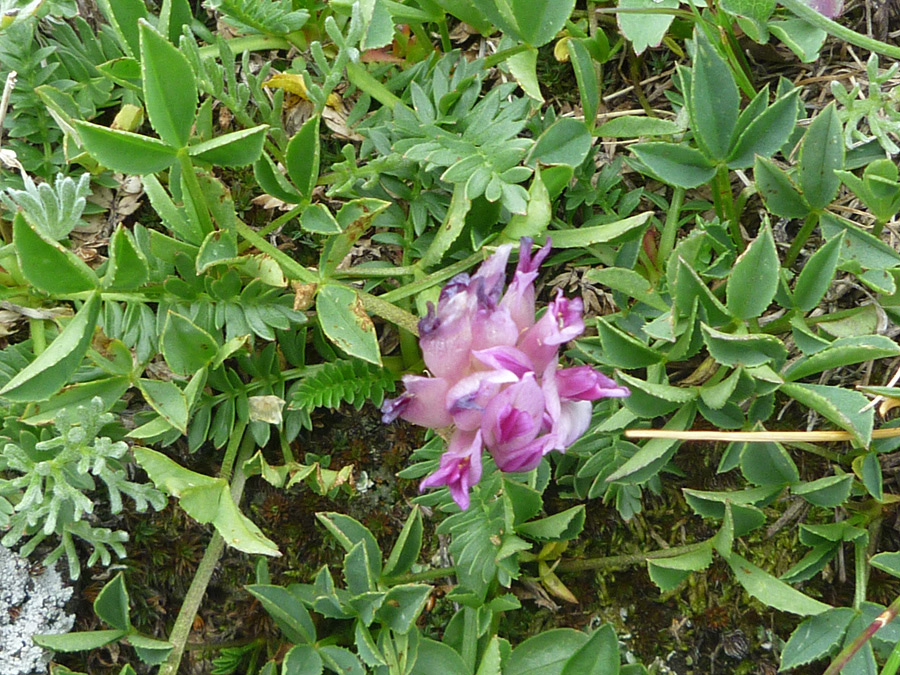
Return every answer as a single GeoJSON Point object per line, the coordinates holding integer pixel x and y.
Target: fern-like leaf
{"type": "Point", "coordinates": [350, 380]}
{"type": "Point", "coordinates": [270, 17]}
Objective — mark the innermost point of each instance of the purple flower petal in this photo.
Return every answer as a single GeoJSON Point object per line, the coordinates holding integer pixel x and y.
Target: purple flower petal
{"type": "Point", "coordinates": [460, 467]}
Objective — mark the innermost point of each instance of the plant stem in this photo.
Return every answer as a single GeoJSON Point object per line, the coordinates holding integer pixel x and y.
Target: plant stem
{"type": "Point", "coordinates": [811, 16]}
{"type": "Point", "coordinates": [670, 228]}
{"type": "Point", "coordinates": [893, 662]}
{"type": "Point", "coordinates": [278, 222]}
{"type": "Point", "coordinates": [416, 577]}
{"type": "Point", "coordinates": [850, 650]}
{"type": "Point", "coordinates": [724, 200]}
{"type": "Point", "coordinates": [627, 560]}
{"type": "Point", "coordinates": [247, 43]}
{"type": "Point", "coordinates": [193, 186]}
{"type": "Point", "coordinates": [800, 241]}
{"type": "Point", "coordinates": [470, 638]}
{"type": "Point", "coordinates": [432, 279]}
{"type": "Point", "coordinates": [861, 570]}
{"type": "Point", "coordinates": [501, 56]}
{"type": "Point", "coordinates": [38, 337]}
{"type": "Point", "coordinates": [878, 227]}
{"type": "Point", "coordinates": [184, 622]}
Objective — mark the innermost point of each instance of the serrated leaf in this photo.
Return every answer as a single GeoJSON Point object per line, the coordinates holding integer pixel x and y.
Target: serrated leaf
{"type": "Point", "coordinates": [302, 157]}
{"type": "Point", "coordinates": [288, 612]}
{"type": "Point", "coordinates": [754, 277]}
{"type": "Point", "coordinates": [840, 406]}
{"type": "Point", "coordinates": [124, 151]}
{"type": "Point", "coordinates": [186, 347]}
{"type": "Point", "coordinates": [714, 99]}
{"type": "Point", "coordinates": [816, 275]}
{"type": "Point", "coordinates": [235, 149]}
{"type": "Point", "coordinates": [771, 591]}
{"type": "Point", "coordinates": [128, 269]}
{"type": "Point", "coordinates": [52, 369]}
{"type": "Point", "coordinates": [679, 165]}
{"type": "Point", "coordinates": [816, 637]}
{"type": "Point", "coordinates": [345, 322]}
{"type": "Point", "coordinates": [47, 265]}
{"type": "Point", "coordinates": [111, 604]}
{"type": "Point", "coordinates": [821, 153]}
{"type": "Point", "coordinates": [170, 90]}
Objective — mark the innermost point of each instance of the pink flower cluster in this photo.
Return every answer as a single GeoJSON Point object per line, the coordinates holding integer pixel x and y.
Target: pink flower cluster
{"type": "Point", "coordinates": [496, 374]}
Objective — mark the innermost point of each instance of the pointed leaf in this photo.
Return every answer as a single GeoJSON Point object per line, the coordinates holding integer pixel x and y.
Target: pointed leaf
{"type": "Point", "coordinates": [302, 157]}
{"type": "Point", "coordinates": [821, 153]}
{"type": "Point", "coordinates": [47, 374]}
{"type": "Point", "coordinates": [714, 99]}
{"type": "Point", "coordinates": [170, 91]}
{"type": "Point", "coordinates": [128, 269]}
{"type": "Point", "coordinates": [124, 151]}
{"type": "Point", "coordinates": [47, 265]}
{"type": "Point", "coordinates": [186, 347]}
{"type": "Point", "coordinates": [754, 278]}
{"type": "Point", "coordinates": [345, 322]}
{"type": "Point", "coordinates": [239, 148]}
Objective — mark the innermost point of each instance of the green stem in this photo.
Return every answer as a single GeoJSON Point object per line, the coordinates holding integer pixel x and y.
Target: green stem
{"type": "Point", "coordinates": [850, 650]}
{"type": "Point", "coordinates": [193, 186]}
{"type": "Point", "coordinates": [670, 228]}
{"type": "Point", "coordinates": [470, 638]}
{"type": "Point", "coordinates": [416, 577]}
{"type": "Point", "coordinates": [861, 570]}
{"type": "Point", "coordinates": [359, 76]}
{"type": "Point", "coordinates": [433, 279]}
{"type": "Point", "coordinates": [800, 241]}
{"type": "Point", "coordinates": [878, 227]}
{"type": "Point", "coordinates": [247, 43]}
{"type": "Point", "coordinates": [501, 56]}
{"type": "Point", "coordinates": [184, 622]}
{"type": "Point", "coordinates": [843, 33]}
{"type": "Point", "coordinates": [38, 337]}
{"type": "Point", "coordinates": [280, 220]}
{"type": "Point", "coordinates": [627, 560]}
{"type": "Point", "coordinates": [724, 199]}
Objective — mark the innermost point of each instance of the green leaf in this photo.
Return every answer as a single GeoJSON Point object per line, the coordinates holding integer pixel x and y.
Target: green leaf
{"type": "Point", "coordinates": [634, 126]}
{"type": "Point", "coordinates": [622, 350]}
{"type": "Point", "coordinates": [756, 11]}
{"type": "Point", "coordinates": [317, 218]}
{"type": "Point", "coordinates": [614, 232]}
{"type": "Point", "coordinates": [778, 191]}
{"type": "Point", "coordinates": [206, 500]}
{"type": "Point", "coordinates": [523, 68]}
{"type": "Point", "coordinates": [667, 573]}
{"type": "Point", "coordinates": [545, 653]}
{"type": "Point", "coordinates": [768, 464]}
{"type": "Point", "coordinates": [149, 650]}
{"type": "Point", "coordinates": [821, 153]}
{"type": "Point", "coordinates": [302, 660]}
{"type": "Point", "coordinates": [239, 148]}
{"type": "Point", "coordinates": [348, 532]}
{"type": "Point", "coordinates": [678, 165]}
{"type": "Point", "coordinates": [128, 269]}
{"type": "Point", "coordinates": [868, 468]}
{"type": "Point", "coordinates": [109, 389]}
{"type": "Point", "coordinates": [186, 347]}
{"type": "Point", "coordinates": [766, 134]}
{"type": "Point", "coordinates": [111, 604]}
{"type": "Point", "coordinates": [124, 15]}
{"type": "Point", "coordinates": [586, 77]}
{"type": "Point", "coordinates": [816, 275]}
{"type": "Point", "coordinates": [840, 406]}
{"type": "Point", "coordinates": [302, 157]}
{"type": "Point", "coordinates": [78, 642]}
{"type": "Point", "coordinates": [645, 30]}
{"type": "Point", "coordinates": [816, 637]}
{"type": "Point", "coordinates": [168, 400]}
{"type": "Point", "coordinates": [273, 182]}
{"type": "Point", "coordinates": [647, 461]}
{"type": "Point", "coordinates": [170, 90]}
{"type": "Point", "coordinates": [345, 322]}
{"type": "Point", "coordinates": [47, 265]}
{"type": "Point", "coordinates": [406, 548]}
{"type": "Point", "coordinates": [887, 562]}
{"type": "Point", "coordinates": [843, 352]}
{"type": "Point", "coordinates": [491, 660]}
{"type": "Point", "coordinates": [537, 216]}
{"type": "Point", "coordinates": [717, 395]}
{"type": "Point", "coordinates": [52, 369]}
{"type": "Point", "coordinates": [402, 606]}
{"type": "Point", "coordinates": [173, 217]}
{"type": "Point", "coordinates": [754, 278]}
{"type": "Point", "coordinates": [219, 246]}
{"type": "Point", "coordinates": [649, 399]}
{"type": "Point", "coordinates": [801, 37]}
{"type": "Point", "coordinates": [598, 656]}
{"type": "Point", "coordinates": [567, 141]}
{"type": "Point", "coordinates": [743, 350]}
{"type": "Point", "coordinates": [288, 611]}
{"type": "Point", "coordinates": [450, 229]}
{"type": "Point", "coordinates": [436, 657]}
{"type": "Point", "coordinates": [771, 591]}
{"type": "Point", "coordinates": [828, 492]}
{"type": "Point", "coordinates": [355, 218]}
{"type": "Point", "coordinates": [629, 282]}
{"type": "Point", "coordinates": [558, 527]}
{"type": "Point", "coordinates": [124, 151]}
{"type": "Point", "coordinates": [859, 246]}
{"type": "Point", "coordinates": [715, 100]}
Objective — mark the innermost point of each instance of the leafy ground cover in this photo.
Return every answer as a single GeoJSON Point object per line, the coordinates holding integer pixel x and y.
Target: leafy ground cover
{"type": "Point", "coordinates": [229, 369]}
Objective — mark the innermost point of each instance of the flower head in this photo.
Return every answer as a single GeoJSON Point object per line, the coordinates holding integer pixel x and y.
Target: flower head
{"type": "Point", "coordinates": [495, 375]}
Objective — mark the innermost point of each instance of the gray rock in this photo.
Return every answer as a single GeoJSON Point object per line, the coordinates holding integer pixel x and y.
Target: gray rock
{"type": "Point", "coordinates": [30, 604]}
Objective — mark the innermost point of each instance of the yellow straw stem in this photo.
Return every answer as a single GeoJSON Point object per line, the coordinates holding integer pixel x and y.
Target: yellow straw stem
{"type": "Point", "coordinates": [756, 436]}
